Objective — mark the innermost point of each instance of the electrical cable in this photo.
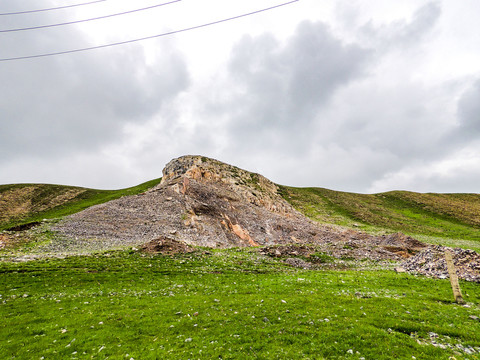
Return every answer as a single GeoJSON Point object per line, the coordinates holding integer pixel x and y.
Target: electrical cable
{"type": "Point", "coordinates": [91, 19]}
{"type": "Point", "coordinates": [50, 9]}
{"type": "Point", "coordinates": [149, 37]}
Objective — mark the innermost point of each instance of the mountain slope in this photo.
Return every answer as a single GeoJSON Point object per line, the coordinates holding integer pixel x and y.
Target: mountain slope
{"type": "Point", "coordinates": [23, 204]}
{"type": "Point", "coordinates": [454, 216]}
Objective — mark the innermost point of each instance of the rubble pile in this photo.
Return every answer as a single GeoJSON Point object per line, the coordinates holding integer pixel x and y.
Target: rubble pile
{"type": "Point", "coordinates": [431, 262]}
{"type": "Point", "coordinates": [166, 246]}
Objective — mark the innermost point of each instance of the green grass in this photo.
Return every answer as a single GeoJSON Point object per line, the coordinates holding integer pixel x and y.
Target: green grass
{"type": "Point", "coordinates": [226, 304]}
{"type": "Point", "coordinates": [445, 216]}
{"type": "Point", "coordinates": [43, 194]}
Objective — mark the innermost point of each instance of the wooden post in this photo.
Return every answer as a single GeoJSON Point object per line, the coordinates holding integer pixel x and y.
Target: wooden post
{"type": "Point", "coordinates": [453, 278]}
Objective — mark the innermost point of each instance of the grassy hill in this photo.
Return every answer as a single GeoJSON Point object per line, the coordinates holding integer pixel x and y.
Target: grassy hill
{"type": "Point", "coordinates": [24, 204]}
{"type": "Point", "coordinates": [453, 216]}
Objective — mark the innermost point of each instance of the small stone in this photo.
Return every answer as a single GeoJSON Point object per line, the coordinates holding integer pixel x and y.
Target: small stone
{"type": "Point", "coordinates": [188, 339]}
{"type": "Point", "coordinates": [283, 301]}
{"type": "Point", "coordinates": [473, 317]}
{"type": "Point", "coordinates": [350, 351]}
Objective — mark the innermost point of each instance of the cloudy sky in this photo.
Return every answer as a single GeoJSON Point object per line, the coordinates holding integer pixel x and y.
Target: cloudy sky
{"type": "Point", "coordinates": [352, 95]}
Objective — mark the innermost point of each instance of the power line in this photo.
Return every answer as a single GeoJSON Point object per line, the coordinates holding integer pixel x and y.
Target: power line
{"type": "Point", "coordinates": [50, 9]}
{"type": "Point", "coordinates": [91, 19]}
{"type": "Point", "coordinates": [149, 37]}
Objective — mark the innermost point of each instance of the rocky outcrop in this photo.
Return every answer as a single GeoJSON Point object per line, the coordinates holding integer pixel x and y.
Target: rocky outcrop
{"type": "Point", "coordinates": [249, 187]}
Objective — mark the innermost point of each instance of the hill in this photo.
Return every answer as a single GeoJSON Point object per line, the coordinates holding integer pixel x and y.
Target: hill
{"type": "Point", "coordinates": [24, 204]}
{"type": "Point", "coordinates": [453, 216]}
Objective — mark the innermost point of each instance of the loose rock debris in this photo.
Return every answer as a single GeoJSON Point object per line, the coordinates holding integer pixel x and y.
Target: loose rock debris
{"type": "Point", "coordinates": [431, 262]}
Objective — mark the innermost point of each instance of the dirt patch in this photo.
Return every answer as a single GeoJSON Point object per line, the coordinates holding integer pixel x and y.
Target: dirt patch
{"type": "Point", "coordinates": [166, 246]}
{"type": "Point", "coordinates": [11, 241]}
{"type": "Point", "coordinates": [20, 201]}
{"type": "Point", "coordinates": [15, 203]}
{"type": "Point", "coordinates": [24, 227]}
{"type": "Point", "coordinates": [402, 245]}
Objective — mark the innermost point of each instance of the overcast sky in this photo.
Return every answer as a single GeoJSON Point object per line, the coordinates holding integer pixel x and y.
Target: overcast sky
{"type": "Point", "coordinates": [352, 95]}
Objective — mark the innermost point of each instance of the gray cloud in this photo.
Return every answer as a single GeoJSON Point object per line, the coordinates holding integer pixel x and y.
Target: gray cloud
{"type": "Point", "coordinates": [469, 112]}
{"type": "Point", "coordinates": [324, 104]}
{"type": "Point", "coordinates": [277, 90]}
{"type": "Point", "coordinates": [402, 33]}
{"type": "Point", "coordinates": [78, 102]}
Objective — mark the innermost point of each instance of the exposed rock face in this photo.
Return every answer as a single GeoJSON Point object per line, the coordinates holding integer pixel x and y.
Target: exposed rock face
{"type": "Point", "coordinates": [249, 187]}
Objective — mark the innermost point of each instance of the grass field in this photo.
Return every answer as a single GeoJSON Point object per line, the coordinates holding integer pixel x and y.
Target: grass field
{"type": "Point", "coordinates": [227, 304]}
{"type": "Point", "coordinates": [444, 216]}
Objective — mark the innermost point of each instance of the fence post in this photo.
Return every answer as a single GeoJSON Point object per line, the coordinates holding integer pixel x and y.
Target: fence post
{"type": "Point", "coordinates": [453, 278]}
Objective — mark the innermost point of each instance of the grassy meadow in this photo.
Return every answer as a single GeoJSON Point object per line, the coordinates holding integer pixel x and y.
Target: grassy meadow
{"type": "Point", "coordinates": [445, 219]}
{"type": "Point", "coordinates": [227, 304]}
